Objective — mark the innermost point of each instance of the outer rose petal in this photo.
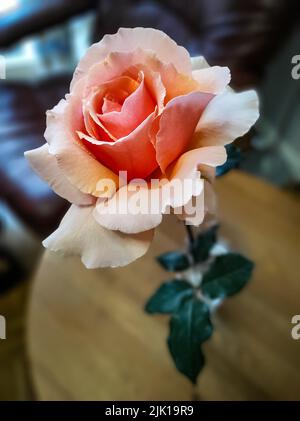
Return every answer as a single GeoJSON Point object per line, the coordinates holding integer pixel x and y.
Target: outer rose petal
{"type": "Point", "coordinates": [177, 125]}
{"type": "Point", "coordinates": [79, 234]}
{"type": "Point", "coordinates": [45, 165]}
{"type": "Point", "coordinates": [213, 79]}
{"type": "Point", "coordinates": [80, 167]}
{"type": "Point", "coordinates": [226, 117]}
{"type": "Point", "coordinates": [109, 214]}
{"type": "Point", "coordinates": [116, 216]}
{"type": "Point", "coordinates": [114, 213]}
{"type": "Point", "coordinates": [199, 62]}
{"type": "Point", "coordinates": [207, 200]}
{"type": "Point", "coordinates": [187, 165]}
{"type": "Point", "coordinates": [129, 39]}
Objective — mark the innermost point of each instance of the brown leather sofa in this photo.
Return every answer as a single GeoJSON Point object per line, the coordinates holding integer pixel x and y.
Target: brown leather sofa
{"type": "Point", "coordinates": [22, 118]}
{"type": "Point", "coordinates": [22, 124]}
{"type": "Point", "coordinates": [241, 34]}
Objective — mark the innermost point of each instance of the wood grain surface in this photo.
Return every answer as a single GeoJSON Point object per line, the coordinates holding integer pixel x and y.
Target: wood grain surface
{"type": "Point", "coordinates": [89, 338]}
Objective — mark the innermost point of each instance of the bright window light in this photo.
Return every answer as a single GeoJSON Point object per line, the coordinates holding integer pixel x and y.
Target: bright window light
{"type": "Point", "coordinates": [8, 5]}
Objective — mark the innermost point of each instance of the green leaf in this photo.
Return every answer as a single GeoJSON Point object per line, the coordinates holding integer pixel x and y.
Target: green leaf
{"type": "Point", "coordinates": [203, 244]}
{"type": "Point", "coordinates": [189, 327]}
{"type": "Point", "coordinates": [234, 157]}
{"type": "Point", "coordinates": [228, 275]}
{"type": "Point", "coordinates": [174, 261]}
{"type": "Point", "coordinates": [168, 297]}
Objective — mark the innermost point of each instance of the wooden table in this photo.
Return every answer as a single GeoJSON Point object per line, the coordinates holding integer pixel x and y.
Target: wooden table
{"type": "Point", "coordinates": [89, 338]}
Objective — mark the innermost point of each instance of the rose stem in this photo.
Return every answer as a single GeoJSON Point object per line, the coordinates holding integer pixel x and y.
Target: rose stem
{"type": "Point", "coordinates": [190, 235]}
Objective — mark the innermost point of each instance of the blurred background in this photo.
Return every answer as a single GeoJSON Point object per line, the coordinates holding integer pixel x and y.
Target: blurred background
{"type": "Point", "coordinates": [40, 44]}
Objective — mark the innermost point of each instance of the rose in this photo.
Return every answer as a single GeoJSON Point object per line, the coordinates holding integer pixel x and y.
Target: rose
{"type": "Point", "coordinates": [137, 103]}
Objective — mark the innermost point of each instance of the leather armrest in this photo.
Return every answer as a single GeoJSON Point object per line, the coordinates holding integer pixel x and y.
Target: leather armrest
{"type": "Point", "coordinates": [29, 19]}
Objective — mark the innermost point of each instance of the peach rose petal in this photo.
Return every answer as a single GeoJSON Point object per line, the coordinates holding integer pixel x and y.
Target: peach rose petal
{"type": "Point", "coordinates": [207, 172]}
{"type": "Point", "coordinates": [135, 109]}
{"type": "Point", "coordinates": [80, 234]}
{"type": "Point", "coordinates": [188, 166]}
{"type": "Point", "coordinates": [227, 116]}
{"type": "Point", "coordinates": [199, 62]}
{"type": "Point", "coordinates": [177, 125]}
{"type": "Point", "coordinates": [194, 211]}
{"type": "Point", "coordinates": [45, 165]}
{"type": "Point", "coordinates": [93, 125]}
{"type": "Point", "coordinates": [78, 165]}
{"type": "Point", "coordinates": [116, 213]}
{"type": "Point", "coordinates": [176, 84]}
{"type": "Point", "coordinates": [206, 201]}
{"type": "Point", "coordinates": [120, 213]}
{"type": "Point", "coordinates": [105, 73]}
{"type": "Point", "coordinates": [155, 86]}
{"type": "Point", "coordinates": [133, 153]}
{"type": "Point", "coordinates": [213, 79]}
{"type": "Point", "coordinates": [128, 40]}
{"type": "Point", "coordinates": [212, 156]}
{"type": "Point", "coordinates": [119, 89]}
{"type": "Point", "coordinates": [113, 214]}
{"type": "Point", "coordinates": [109, 106]}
